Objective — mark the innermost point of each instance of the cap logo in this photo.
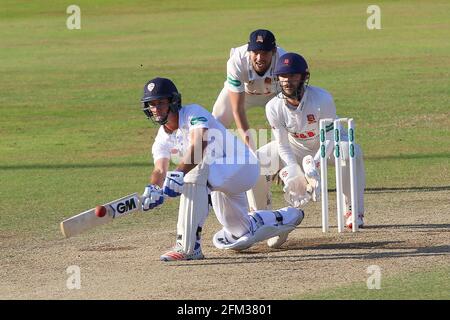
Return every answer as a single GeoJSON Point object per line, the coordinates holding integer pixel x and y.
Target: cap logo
{"type": "Point", "coordinates": [260, 39]}
{"type": "Point", "coordinates": [286, 61]}
{"type": "Point", "coordinates": [150, 86]}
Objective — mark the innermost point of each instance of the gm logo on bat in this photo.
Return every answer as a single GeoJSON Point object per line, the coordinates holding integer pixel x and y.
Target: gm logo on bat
{"type": "Point", "coordinates": [126, 206]}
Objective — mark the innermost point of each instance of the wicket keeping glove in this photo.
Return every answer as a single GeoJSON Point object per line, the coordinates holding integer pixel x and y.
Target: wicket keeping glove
{"type": "Point", "coordinates": [292, 177]}
{"type": "Point", "coordinates": [152, 197]}
{"type": "Point", "coordinates": [312, 176]}
{"type": "Point", "coordinates": [297, 201]}
{"type": "Point", "coordinates": [173, 185]}
{"type": "Point", "coordinates": [294, 189]}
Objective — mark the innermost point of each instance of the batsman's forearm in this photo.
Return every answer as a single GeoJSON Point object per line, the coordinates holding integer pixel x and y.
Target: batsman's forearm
{"type": "Point", "coordinates": [157, 178]}
{"type": "Point", "coordinates": [185, 168]}
{"type": "Point", "coordinates": [193, 157]}
{"type": "Point", "coordinates": [189, 161]}
{"type": "Point", "coordinates": [159, 172]}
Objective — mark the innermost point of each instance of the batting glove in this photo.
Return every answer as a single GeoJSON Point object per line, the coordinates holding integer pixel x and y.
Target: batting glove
{"type": "Point", "coordinates": [152, 197]}
{"type": "Point", "coordinates": [312, 176]}
{"type": "Point", "coordinates": [173, 185]}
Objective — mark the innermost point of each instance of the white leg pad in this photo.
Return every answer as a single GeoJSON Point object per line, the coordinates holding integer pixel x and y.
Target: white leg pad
{"type": "Point", "coordinates": [193, 208]}
{"type": "Point", "coordinates": [267, 224]}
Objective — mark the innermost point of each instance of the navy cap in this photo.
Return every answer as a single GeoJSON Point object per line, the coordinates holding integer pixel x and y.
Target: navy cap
{"type": "Point", "coordinates": [290, 63]}
{"type": "Point", "coordinates": [261, 40]}
{"type": "Point", "coordinates": [158, 88]}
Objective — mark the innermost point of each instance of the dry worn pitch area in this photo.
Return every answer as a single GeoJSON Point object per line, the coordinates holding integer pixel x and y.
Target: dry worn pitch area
{"type": "Point", "coordinates": [406, 231]}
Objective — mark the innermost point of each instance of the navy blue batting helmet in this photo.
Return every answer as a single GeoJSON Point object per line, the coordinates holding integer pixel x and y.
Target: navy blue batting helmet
{"type": "Point", "coordinates": [161, 88]}
{"type": "Point", "coordinates": [290, 63]}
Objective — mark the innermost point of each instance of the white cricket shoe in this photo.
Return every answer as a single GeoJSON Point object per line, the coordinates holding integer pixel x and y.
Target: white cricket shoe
{"type": "Point", "coordinates": [349, 220]}
{"type": "Point", "coordinates": [277, 241]}
{"type": "Point", "coordinates": [177, 253]}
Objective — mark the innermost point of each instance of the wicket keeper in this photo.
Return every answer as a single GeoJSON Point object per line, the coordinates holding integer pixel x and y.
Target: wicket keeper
{"type": "Point", "coordinates": [294, 115]}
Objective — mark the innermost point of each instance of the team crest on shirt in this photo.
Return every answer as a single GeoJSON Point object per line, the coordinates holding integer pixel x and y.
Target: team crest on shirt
{"type": "Point", "coordinates": [311, 119]}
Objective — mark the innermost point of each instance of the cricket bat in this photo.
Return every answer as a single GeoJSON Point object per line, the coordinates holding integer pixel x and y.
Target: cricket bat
{"type": "Point", "coordinates": [90, 219]}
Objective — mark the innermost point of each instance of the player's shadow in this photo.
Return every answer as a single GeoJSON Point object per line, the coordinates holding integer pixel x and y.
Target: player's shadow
{"type": "Point", "coordinates": [395, 226]}
{"type": "Point", "coordinates": [317, 244]}
{"type": "Point", "coordinates": [411, 226]}
{"type": "Point", "coordinates": [261, 255]}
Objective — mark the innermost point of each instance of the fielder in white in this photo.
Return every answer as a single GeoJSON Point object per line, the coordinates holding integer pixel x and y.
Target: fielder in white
{"type": "Point", "coordinates": [212, 160]}
{"type": "Point", "coordinates": [250, 81]}
{"type": "Point", "coordinates": [294, 116]}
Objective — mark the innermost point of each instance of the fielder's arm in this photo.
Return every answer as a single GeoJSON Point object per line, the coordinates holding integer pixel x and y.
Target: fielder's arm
{"type": "Point", "coordinates": [237, 100]}
{"type": "Point", "coordinates": [284, 146]}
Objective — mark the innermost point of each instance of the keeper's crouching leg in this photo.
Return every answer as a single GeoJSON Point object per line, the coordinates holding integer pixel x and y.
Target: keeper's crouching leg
{"type": "Point", "coordinates": [259, 196]}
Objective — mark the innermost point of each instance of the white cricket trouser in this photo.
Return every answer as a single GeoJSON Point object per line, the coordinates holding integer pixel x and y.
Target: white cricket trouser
{"type": "Point", "coordinates": [222, 107]}
{"type": "Point", "coordinates": [271, 162]}
{"type": "Point", "coordinates": [228, 183]}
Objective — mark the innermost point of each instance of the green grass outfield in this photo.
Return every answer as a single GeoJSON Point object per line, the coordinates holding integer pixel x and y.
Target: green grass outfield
{"type": "Point", "coordinates": [430, 285]}
{"type": "Point", "coordinates": [72, 134]}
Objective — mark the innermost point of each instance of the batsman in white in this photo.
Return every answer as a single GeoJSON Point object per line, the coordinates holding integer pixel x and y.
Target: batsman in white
{"type": "Point", "coordinates": [250, 81]}
{"type": "Point", "coordinates": [212, 160]}
{"type": "Point", "coordinates": [294, 116]}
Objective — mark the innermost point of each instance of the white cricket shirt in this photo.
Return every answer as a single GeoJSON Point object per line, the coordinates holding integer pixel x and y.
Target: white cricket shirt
{"type": "Point", "coordinates": [299, 127]}
{"type": "Point", "coordinates": [242, 77]}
